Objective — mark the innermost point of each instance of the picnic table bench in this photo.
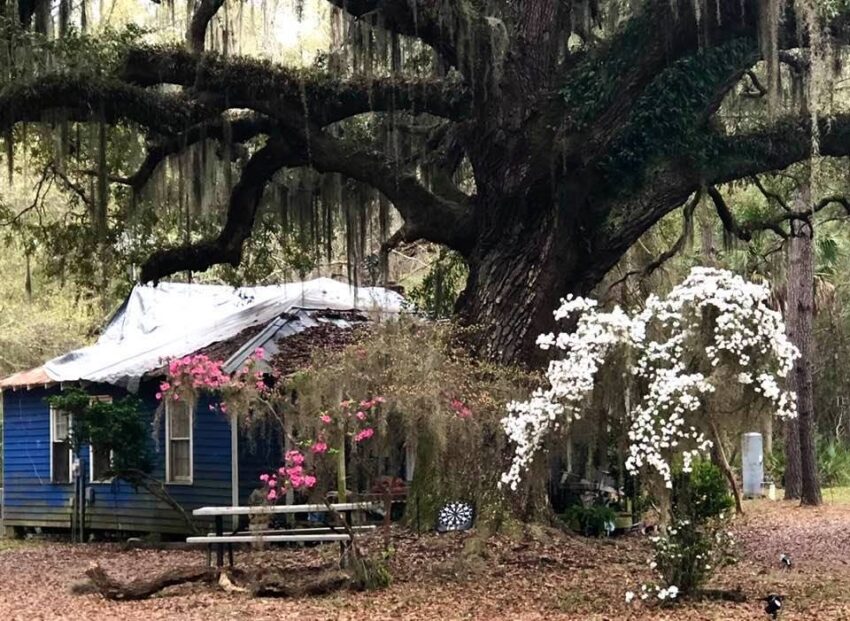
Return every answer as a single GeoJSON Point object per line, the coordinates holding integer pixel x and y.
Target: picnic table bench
{"type": "Point", "coordinates": [295, 535]}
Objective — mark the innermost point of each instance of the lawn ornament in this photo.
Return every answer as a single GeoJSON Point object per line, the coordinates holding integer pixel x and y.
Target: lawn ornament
{"type": "Point", "coordinates": [455, 516]}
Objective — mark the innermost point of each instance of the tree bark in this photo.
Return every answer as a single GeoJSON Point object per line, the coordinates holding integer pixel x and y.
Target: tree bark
{"type": "Point", "coordinates": [723, 464]}
{"type": "Point", "coordinates": [793, 476]}
{"type": "Point", "coordinates": [800, 309]}
{"type": "Point", "coordinates": [143, 588]}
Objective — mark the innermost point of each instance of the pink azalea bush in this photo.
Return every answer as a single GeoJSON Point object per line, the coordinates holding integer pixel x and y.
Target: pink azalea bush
{"type": "Point", "coordinates": [355, 419]}
{"type": "Point", "coordinates": [189, 376]}
{"type": "Point", "coordinates": [289, 476]}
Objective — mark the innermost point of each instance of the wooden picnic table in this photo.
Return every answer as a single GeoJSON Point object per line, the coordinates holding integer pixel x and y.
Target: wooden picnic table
{"type": "Point", "coordinates": [220, 540]}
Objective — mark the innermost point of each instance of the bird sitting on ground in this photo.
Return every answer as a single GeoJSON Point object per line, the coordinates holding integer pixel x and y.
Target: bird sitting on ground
{"type": "Point", "coordinates": [773, 606]}
{"type": "Point", "coordinates": [785, 559]}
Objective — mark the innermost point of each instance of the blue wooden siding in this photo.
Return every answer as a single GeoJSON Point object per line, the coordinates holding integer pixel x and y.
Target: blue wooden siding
{"type": "Point", "coordinates": [259, 452]}
{"type": "Point", "coordinates": [31, 499]}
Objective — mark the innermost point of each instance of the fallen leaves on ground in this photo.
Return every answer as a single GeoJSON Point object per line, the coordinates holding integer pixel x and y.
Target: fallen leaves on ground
{"type": "Point", "coordinates": [542, 574]}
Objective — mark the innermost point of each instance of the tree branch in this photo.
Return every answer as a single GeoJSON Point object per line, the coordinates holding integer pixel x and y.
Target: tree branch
{"type": "Point", "coordinates": [277, 90]}
{"type": "Point", "coordinates": [86, 97]}
{"type": "Point", "coordinates": [440, 24]}
{"type": "Point", "coordinates": [745, 231]}
{"type": "Point", "coordinates": [241, 129]}
{"type": "Point", "coordinates": [241, 213]}
{"type": "Point", "coordinates": [676, 248]}
{"type": "Point", "coordinates": [427, 215]}
{"type": "Point", "coordinates": [197, 32]}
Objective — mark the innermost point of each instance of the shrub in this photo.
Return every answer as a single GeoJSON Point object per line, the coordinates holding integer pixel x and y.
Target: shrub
{"type": "Point", "coordinates": [594, 521]}
{"type": "Point", "coordinates": [441, 405]}
{"type": "Point", "coordinates": [833, 463]}
{"type": "Point", "coordinates": [697, 541]}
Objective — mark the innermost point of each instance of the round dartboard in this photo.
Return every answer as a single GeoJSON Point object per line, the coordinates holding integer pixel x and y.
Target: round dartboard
{"type": "Point", "coordinates": [455, 516]}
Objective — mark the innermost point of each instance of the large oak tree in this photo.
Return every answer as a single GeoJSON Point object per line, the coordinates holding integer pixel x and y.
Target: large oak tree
{"type": "Point", "coordinates": [580, 127]}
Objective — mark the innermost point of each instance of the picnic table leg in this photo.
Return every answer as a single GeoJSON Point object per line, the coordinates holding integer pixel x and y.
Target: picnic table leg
{"type": "Point", "coordinates": [219, 532]}
{"type": "Point", "coordinates": [230, 554]}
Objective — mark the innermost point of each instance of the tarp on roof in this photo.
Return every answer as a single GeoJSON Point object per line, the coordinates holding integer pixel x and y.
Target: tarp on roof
{"type": "Point", "coordinates": [170, 320]}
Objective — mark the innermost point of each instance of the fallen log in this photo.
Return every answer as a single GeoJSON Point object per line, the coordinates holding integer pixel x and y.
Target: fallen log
{"type": "Point", "coordinates": [273, 584]}
{"type": "Point", "coordinates": [142, 588]}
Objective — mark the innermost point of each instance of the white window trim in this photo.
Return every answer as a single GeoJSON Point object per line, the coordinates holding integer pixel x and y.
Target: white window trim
{"type": "Point", "coordinates": [70, 452]}
{"type": "Point", "coordinates": [191, 479]}
{"type": "Point", "coordinates": [91, 466]}
{"type": "Point", "coordinates": [104, 399]}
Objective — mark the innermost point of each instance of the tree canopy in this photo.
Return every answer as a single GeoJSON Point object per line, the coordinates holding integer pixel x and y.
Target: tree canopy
{"type": "Point", "coordinates": [538, 139]}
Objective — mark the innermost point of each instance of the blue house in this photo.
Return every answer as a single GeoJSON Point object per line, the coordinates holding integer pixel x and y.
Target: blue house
{"type": "Point", "coordinates": [201, 457]}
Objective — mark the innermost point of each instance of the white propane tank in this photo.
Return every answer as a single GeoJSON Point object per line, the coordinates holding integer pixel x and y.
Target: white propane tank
{"type": "Point", "coordinates": [753, 464]}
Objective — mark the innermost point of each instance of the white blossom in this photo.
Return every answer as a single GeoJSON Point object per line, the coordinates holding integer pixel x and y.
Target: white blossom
{"type": "Point", "coordinates": [746, 337]}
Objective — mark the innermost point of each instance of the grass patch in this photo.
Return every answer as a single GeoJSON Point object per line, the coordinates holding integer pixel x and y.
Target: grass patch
{"type": "Point", "coordinates": [7, 544]}
{"type": "Point", "coordinates": [837, 495]}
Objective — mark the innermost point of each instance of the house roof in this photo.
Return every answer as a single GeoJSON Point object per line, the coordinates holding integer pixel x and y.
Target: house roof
{"type": "Point", "coordinates": [34, 377]}
{"type": "Point", "coordinates": [171, 320]}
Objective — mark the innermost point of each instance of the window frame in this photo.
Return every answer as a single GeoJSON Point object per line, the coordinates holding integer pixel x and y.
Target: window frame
{"type": "Point", "coordinates": [53, 413]}
{"type": "Point", "coordinates": [102, 399]}
{"type": "Point", "coordinates": [169, 478]}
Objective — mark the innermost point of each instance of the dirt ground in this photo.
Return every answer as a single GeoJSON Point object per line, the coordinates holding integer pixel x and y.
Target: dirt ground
{"type": "Point", "coordinates": [542, 575]}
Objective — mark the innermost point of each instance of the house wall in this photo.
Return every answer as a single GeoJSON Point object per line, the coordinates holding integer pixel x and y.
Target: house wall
{"type": "Point", "coordinates": [31, 499]}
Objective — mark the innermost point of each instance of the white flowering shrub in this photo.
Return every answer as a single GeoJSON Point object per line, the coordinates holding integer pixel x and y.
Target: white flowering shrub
{"type": "Point", "coordinates": [683, 347]}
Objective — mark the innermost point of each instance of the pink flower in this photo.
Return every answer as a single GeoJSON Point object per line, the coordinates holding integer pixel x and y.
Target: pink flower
{"type": "Point", "coordinates": [379, 400]}
{"type": "Point", "coordinates": [165, 386]}
{"type": "Point", "coordinates": [261, 386]}
{"type": "Point", "coordinates": [361, 415]}
{"type": "Point", "coordinates": [364, 435]}
{"type": "Point", "coordinates": [295, 471]}
{"type": "Point", "coordinates": [258, 375]}
{"type": "Point", "coordinates": [158, 396]}
{"type": "Point", "coordinates": [212, 408]}
{"type": "Point", "coordinates": [320, 447]}
{"type": "Point", "coordinates": [176, 397]}
{"type": "Point", "coordinates": [264, 477]}
{"type": "Point", "coordinates": [223, 408]}
{"type": "Point", "coordinates": [259, 353]}
{"type": "Point", "coordinates": [345, 404]}
{"type": "Point", "coordinates": [325, 419]}
{"type": "Point", "coordinates": [297, 481]}
{"type": "Point", "coordinates": [309, 481]}
{"type": "Point", "coordinates": [294, 457]}
{"type": "Point", "coordinates": [366, 404]}
{"type": "Point", "coordinates": [272, 482]}
{"type": "Point", "coordinates": [272, 495]}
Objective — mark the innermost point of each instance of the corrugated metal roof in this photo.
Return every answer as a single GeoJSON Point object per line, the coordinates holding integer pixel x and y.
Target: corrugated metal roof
{"type": "Point", "coordinates": [34, 377]}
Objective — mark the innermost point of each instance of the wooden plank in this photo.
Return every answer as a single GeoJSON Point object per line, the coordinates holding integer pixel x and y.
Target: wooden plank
{"type": "Point", "coordinates": [274, 509]}
{"type": "Point", "coordinates": [267, 538]}
{"type": "Point", "coordinates": [296, 531]}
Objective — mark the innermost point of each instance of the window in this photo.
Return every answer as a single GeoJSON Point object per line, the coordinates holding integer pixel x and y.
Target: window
{"type": "Point", "coordinates": [100, 460]}
{"type": "Point", "coordinates": [60, 446]}
{"type": "Point", "coordinates": [178, 442]}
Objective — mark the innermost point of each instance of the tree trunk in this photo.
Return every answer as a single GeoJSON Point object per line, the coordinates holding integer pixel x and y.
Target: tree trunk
{"type": "Point", "coordinates": [793, 477]}
{"type": "Point", "coordinates": [723, 463]}
{"type": "Point", "coordinates": [799, 320]}
{"type": "Point", "coordinates": [519, 271]}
